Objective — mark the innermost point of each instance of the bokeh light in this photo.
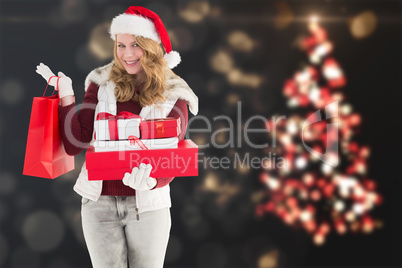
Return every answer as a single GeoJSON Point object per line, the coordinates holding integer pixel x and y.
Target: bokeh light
{"type": "Point", "coordinates": [43, 231]}
{"type": "Point", "coordinates": [239, 78]}
{"type": "Point", "coordinates": [269, 260]}
{"type": "Point", "coordinates": [221, 61]}
{"type": "Point", "coordinates": [74, 10]}
{"type": "Point", "coordinates": [8, 183]}
{"type": "Point", "coordinates": [100, 43]}
{"type": "Point", "coordinates": [11, 91]}
{"type": "Point", "coordinates": [284, 15]}
{"type": "Point", "coordinates": [363, 24]}
{"type": "Point", "coordinates": [194, 11]}
{"type": "Point", "coordinates": [181, 38]}
{"type": "Point", "coordinates": [240, 41]}
{"type": "Point", "coordinates": [346, 187]}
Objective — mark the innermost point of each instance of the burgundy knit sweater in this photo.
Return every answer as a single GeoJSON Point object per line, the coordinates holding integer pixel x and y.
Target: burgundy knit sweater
{"type": "Point", "coordinates": [82, 124]}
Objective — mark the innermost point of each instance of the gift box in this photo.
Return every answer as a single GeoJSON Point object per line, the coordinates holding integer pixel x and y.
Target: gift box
{"type": "Point", "coordinates": [117, 127]}
{"type": "Point", "coordinates": [160, 128]}
{"type": "Point", "coordinates": [133, 143]}
{"type": "Point", "coordinates": [177, 162]}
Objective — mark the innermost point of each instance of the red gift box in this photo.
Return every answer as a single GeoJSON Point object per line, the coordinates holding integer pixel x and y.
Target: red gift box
{"type": "Point", "coordinates": [117, 127]}
{"type": "Point", "coordinates": [178, 162]}
{"type": "Point", "coordinates": [160, 128]}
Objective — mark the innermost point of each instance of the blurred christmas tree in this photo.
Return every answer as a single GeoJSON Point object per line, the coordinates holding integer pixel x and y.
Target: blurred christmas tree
{"type": "Point", "coordinates": [324, 184]}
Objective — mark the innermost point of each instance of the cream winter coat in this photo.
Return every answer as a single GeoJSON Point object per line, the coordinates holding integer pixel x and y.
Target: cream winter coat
{"type": "Point", "coordinates": [176, 88]}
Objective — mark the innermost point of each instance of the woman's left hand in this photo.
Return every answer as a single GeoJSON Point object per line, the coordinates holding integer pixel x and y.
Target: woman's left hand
{"type": "Point", "coordinates": [139, 178]}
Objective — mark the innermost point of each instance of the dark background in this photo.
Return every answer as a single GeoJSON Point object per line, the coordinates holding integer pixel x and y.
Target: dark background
{"type": "Point", "coordinates": [212, 226]}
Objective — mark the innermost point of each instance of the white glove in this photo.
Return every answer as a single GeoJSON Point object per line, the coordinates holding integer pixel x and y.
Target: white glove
{"type": "Point", "coordinates": [139, 178]}
{"type": "Point", "coordinates": [65, 83]}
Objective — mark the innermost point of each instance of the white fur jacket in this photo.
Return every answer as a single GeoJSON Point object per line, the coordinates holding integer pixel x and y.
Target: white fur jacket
{"type": "Point", "coordinates": [176, 88]}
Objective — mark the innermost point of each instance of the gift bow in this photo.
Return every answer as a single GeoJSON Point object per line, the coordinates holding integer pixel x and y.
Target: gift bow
{"type": "Point", "coordinates": [112, 120]}
{"type": "Point", "coordinates": [133, 140]}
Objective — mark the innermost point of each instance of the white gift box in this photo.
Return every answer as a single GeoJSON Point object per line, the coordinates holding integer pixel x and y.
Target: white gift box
{"type": "Point", "coordinates": [125, 129]}
{"type": "Point", "coordinates": [128, 145]}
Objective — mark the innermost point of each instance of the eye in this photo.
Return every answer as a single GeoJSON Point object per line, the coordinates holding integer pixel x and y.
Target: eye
{"type": "Point", "coordinates": [120, 45]}
{"type": "Point", "coordinates": [135, 45]}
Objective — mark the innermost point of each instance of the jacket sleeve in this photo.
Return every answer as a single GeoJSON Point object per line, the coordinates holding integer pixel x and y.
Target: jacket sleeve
{"type": "Point", "coordinates": [76, 128]}
{"type": "Point", "coordinates": [179, 110]}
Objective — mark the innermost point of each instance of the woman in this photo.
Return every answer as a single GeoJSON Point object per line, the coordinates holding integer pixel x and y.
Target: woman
{"type": "Point", "coordinates": [128, 221]}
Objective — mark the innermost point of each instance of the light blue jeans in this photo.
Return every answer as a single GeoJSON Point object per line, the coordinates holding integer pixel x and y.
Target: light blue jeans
{"type": "Point", "coordinates": [116, 236]}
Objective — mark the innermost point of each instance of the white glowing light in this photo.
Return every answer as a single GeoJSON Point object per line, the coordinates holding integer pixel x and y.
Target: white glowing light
{"type": "Point", "coordinates": [339, 205]}
{"type": "Point", "coordinates": [323, 49]}
{"type": "Point", "coordinates": [332, 160]}
{"type": "Point", "coordinates": [350, 216]}
{"type": "Point", "coordinates": [358, 191]}
{"type": "Point", "coordinates": [347, 182]}
{"type": "Point", "coordinates": [301, 162]}
{"type": "Point", "coordinates": [314, 19]}
{"type": "Point", "coordinates": [305, 216]}
{"type": "Point", "coordinates": [308, 179]}
{"type": "Point", "coordinates": [371, 197]}
{"type": "Point", "coordinates": [319, 239]}
{"type": "Point", "coordinates": [291, 127]}
{"type": "Point", "coordinates": [273, 183]}
{"type": "Point", "coordinates": [344, 192]}
{"type": "Point", "coordinates": [326, 169]}
{"type": "Point", "coordinates": [314, 94]}
{"type": "Point", "coordinates": [361, 168]}
{"type": "Point", "coordinates": [332, 72]}
{"type": "Point", "coordinates": [358, 209]}
{"type": "Point", "coordinates": [346, 109]}
{"type": "Point", "coordinates": [303, 78]}
{"type": "Point", "coordinates": [315, 58]}
{"type": "Point", "coordinates": [293, 102]}
{"type": "Point", "coordinates": [285, 139]}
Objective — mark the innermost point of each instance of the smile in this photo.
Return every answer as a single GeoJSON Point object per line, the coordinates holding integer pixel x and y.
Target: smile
{"type": "Point", "coordinates": [132, 63]}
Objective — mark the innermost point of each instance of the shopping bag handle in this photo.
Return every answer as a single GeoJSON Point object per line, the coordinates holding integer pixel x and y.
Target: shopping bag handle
{"type": "Point", "coordinates": [58, 78]}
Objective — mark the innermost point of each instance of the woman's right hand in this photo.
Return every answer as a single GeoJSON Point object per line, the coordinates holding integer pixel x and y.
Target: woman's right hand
{"type": "Point", "coordinates": [65, 83]}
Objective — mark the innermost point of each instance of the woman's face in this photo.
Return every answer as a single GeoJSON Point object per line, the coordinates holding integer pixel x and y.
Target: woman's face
{"type": "Point", "coordinates": [129, 53]}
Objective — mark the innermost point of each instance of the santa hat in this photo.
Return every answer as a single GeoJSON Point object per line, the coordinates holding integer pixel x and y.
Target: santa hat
{"type": "Point", "coordinates": [140, 21]}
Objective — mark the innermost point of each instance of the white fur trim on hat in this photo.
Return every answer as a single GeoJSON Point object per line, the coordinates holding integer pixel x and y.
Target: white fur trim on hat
{"type": "Point", "coordinates": [173, 59]}
{"type": "Point", "coordinates": [135, 25]}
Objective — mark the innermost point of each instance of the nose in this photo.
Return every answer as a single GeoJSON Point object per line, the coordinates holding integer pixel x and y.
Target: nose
{"type": "Point", "coordinates": [129, 52]}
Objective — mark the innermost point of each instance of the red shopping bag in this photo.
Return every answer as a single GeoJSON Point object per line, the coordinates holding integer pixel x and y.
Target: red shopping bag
{"type": "Point", "coordinates": [45, 156]}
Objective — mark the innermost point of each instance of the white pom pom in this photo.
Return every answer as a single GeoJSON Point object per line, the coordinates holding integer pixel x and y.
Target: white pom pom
{"type": "Point", "coordinates": [172, 59]}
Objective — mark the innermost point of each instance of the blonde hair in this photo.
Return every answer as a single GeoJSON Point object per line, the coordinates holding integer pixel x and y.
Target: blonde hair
{"type": "Point", "coordinates": [154, 66]}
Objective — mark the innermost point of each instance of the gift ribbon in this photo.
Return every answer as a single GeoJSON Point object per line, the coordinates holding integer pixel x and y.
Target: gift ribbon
{"type": "Point", "coordinates": [112, 121]}
{"type": "Point", "coordinates": [160, 129]}
{"type": "Point", "coordinates": [133, 140]}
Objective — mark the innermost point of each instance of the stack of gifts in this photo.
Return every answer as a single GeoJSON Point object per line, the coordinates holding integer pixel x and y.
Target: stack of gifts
{"type": "Point", "coordinates": [124, 141]}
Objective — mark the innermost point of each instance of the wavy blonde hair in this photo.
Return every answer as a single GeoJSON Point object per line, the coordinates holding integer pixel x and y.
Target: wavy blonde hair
{"type": "Point", "coordinates": [154, 66]}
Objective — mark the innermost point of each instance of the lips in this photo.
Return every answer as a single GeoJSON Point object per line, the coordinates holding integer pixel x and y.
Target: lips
{"type": "Point", "coordinates": [132, 63]}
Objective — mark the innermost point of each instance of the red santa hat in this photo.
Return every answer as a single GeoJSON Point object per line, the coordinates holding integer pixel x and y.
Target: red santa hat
{"type": "Point", "coordinates": [140, 21]}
